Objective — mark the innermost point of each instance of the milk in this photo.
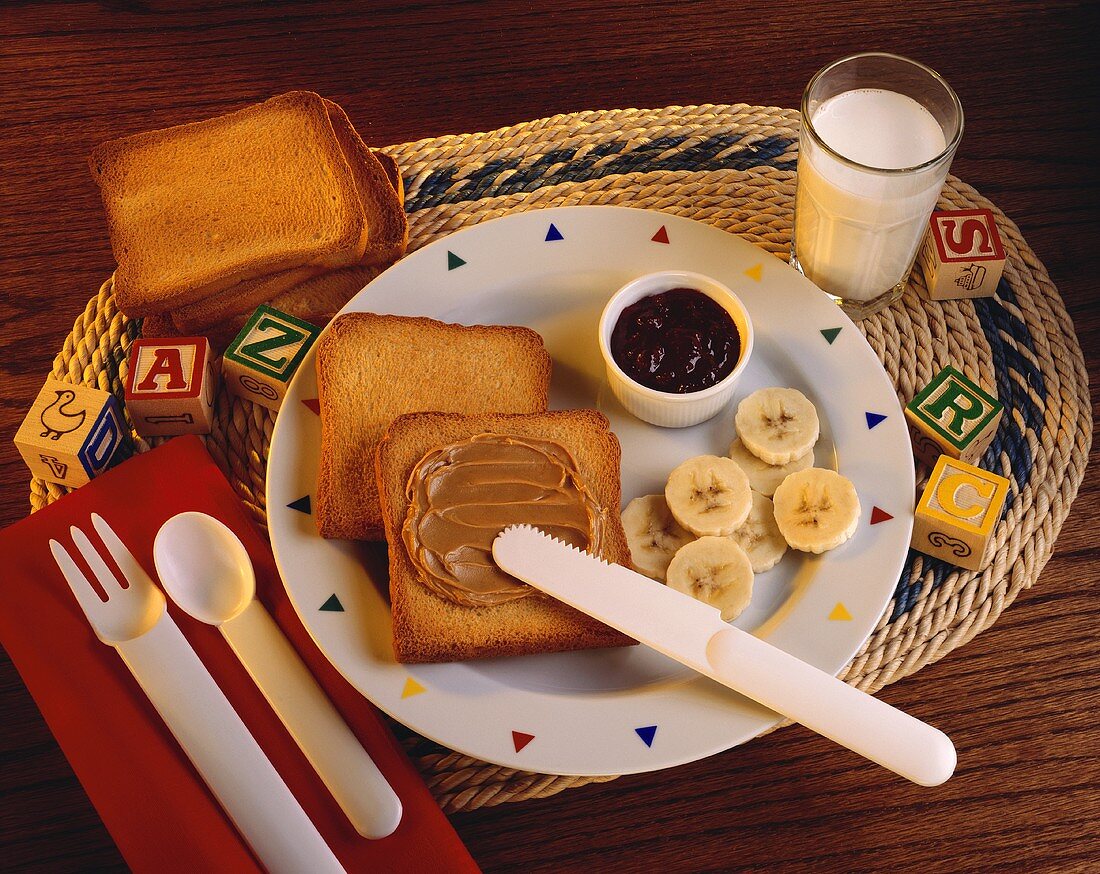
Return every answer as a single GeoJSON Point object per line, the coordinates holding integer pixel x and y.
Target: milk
{"type": "Point", "coordinates": [857, 231]}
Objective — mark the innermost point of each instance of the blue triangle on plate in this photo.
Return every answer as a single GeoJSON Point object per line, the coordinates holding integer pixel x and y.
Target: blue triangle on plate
{"type": "Point", "coordinates": [646, 733]}
{"type": "Point", "coordinates": [874, 419]}
{"type": "Point", "coordinates": [302, 505]}
{"type": "Point", "coordinates": [333, 605]}
{"type": "Point", "coordinates": [553, 234]}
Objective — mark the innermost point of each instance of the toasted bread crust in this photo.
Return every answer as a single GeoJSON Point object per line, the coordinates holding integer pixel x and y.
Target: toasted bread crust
{"type": "Point", "coordinates": [196, 208]}
{"type": "Point", "coordinates": [372, 368]}
{"type": "Point", "coordinates": [429, 628]}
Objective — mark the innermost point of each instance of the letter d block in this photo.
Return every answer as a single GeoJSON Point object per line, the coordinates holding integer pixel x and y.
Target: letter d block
{"type": "Point", "coordinates": [952, 416]}
{"type": "Point", "coordinates": [71, 434]}
{"type": "Point", "coordinates": [957, 512]}
{"type": "Point", "coordinates": [170, 387]}
{"type": "Point", "coordinates": [962, 255]}
{"type": "Point", "coordinates": [260, 362]}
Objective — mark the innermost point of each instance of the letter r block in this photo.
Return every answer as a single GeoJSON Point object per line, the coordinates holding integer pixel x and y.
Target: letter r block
{"type": "Point", "coordinates": [952, 416]}
{"type": "Point", "coordinates": [170, 386]}
{"type": "Point", "coordinates": [71, 434]}
{"type": "Point", "coordinates": [958, 511]}
{"type": "Point", "coordinates": [962, 254]}
{"type": "Point", "coordinates": [260, 362]}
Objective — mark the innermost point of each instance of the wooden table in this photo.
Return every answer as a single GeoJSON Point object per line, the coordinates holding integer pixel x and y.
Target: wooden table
{"type": "Point", "coordinates": [1020, 701]}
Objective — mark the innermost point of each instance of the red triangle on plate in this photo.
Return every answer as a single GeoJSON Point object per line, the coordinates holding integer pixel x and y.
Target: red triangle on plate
{"type": "Point", "coordinates": [661, 236]}
{"type": "Point", "coordinates": [521, 739]}
{"type": "Point", "coordinates": [314, 404]}
{"type": "Point", "coordinates": [878, 515]}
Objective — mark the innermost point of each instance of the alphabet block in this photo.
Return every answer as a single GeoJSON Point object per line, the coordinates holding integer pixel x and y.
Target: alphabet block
{"type": "Point", "coordinates": [952, 416]}
{"type": "Point", "coordinates": [962, 256]}
{"type": "Point", "coordinates": [71, 434]}
{"type": "Point", "coordinates": [957, 512]}
{"type": "Point", "coordinates": [259, 363]}
{"type": "Point", "coordinates": [170, 387]}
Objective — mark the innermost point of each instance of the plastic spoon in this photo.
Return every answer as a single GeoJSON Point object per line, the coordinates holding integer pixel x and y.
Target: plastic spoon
{"type": "Point", "coordinates": [205, 569]}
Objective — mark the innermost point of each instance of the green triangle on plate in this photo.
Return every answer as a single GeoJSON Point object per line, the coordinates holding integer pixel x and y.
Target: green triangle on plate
{"type": "Point", "coordinates": [333, 605]}
{"type": "Point", "coordinates": [453, 261]}
{"type": "Point", "coordinates": [830, 334]}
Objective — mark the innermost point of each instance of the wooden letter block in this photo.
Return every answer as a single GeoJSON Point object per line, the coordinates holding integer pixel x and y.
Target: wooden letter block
{"type": "Point", "coordinates": [962, 255]}
{"type": "Point", "coordinates": [952, 416]}
{"type": "Point", "coordinates": [958, 511]}
{"type": "Point", "coordinates": [171, 385]}
{"type": "Point", "coordinates": [71, 434]}
{"type": "Point", "coordinates": [260, 362]}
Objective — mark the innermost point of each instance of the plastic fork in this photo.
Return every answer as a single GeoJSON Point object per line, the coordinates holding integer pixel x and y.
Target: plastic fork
{"type": "Point", "coordinates": [135, 621]}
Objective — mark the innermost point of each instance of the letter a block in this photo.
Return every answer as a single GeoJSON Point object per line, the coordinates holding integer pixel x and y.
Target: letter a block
{"type": "Point", "coordinates": [71, 434]}
{"type": "Point", "coordinates": [260, 362]}
{"type": "Point", "coordinates": [963, 255]}
{"type": "Point", "coordinates": [957, 512]}
{"type": "Point", "coordinates": [170, 387]}
{"type": "Point", "coordinates": [952, 416]}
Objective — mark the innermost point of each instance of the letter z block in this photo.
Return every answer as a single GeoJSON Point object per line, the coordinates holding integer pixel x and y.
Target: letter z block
{"type": "Point", "coordinates": [958, 511]}
{"type": "Point", "coordinates": [170, 387]}
{"type": "Point", "coordinates": [962, 255]}
{"type": "Point", "coordinates": [952, 416]}
{"type": "Point", "coordinates": [71, 434]}
{"type": "Point", "coordinates": [260, 362]}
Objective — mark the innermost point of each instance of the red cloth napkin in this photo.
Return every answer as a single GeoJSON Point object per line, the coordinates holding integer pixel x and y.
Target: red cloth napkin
{"type": "Point", "coordinates": [153, 802]}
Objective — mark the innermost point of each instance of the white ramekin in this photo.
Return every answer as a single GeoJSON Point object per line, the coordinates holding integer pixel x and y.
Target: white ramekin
{"type": "Point", "coordinates": [667, 409]}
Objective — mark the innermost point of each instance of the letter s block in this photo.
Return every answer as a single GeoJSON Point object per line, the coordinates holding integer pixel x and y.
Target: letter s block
{"type": "Point", "coordinates": [259, 363]}
{"type": "Point", "coordinates": [71, 434]}
{"type": "Point", "coordinates": [962, 254]}
{"type": "Point", "coordinates": [952, 416]}
{"type": "Point", "coordinates": [170, 387]}
{"type": "Point", "coordinates": [957, 512]}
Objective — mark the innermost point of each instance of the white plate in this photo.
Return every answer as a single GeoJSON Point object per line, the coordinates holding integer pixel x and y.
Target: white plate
{"type": "Point", "coordinates": [621, 710]}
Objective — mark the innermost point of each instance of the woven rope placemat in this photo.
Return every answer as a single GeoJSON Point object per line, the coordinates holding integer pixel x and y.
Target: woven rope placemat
{"type": "Point", "coordinates": [731, 167]}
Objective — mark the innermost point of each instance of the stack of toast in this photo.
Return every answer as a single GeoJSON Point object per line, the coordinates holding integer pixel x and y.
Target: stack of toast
{"type": "Point", "coordinates": [281, 203]}
{"type": "Point", "coordinates": [393, 389]}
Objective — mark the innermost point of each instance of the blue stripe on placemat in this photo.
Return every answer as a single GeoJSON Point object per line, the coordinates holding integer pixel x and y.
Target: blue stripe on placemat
{"type": "Point", "coordinates": [1017, 381]}
{"type": "Point", "coordinates": [719, 152]}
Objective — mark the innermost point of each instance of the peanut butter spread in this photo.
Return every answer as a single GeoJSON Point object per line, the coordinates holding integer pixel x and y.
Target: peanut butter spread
{"type": "Point", "coordinates": [463, 495]}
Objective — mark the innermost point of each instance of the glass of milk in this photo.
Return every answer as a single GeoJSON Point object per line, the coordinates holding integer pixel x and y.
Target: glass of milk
{"type": "Point", "coordinates": [878, 135]}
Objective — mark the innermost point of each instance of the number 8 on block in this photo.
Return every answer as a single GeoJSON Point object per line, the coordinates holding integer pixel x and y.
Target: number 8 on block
{"type": "Point", "coordinates": [260, 362]}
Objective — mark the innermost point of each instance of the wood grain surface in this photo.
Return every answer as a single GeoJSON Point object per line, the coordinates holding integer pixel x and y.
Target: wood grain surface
{"type": "Point", "coordinates": [1021, 701]}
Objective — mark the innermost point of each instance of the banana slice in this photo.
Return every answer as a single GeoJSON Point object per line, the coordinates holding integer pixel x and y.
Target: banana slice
{"type": "Point", "coordinates": [760, 536]}
{"type": "Point", "coordinates": [777, 425]}
{"type": "Point", "coordinates": [709, 495]}
{"type": "Point", "coordinates": [763, 477]}
{"type": "Point", "coordinates": [653, 535]}
{"type": "Point", "coordinates": [816, 509]}
{"type": "Point", "coordinates": [716, 571]}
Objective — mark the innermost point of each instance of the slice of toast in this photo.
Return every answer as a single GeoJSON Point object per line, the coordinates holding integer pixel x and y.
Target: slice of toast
{"type": "Point", "coordinates": [197, 208]}
{"type": "Point", "coordinates": [238, 300]}
{"type": "Point", "coordinates": [372, 368]}
{"type": "Point", "coordinates": [430, 628]}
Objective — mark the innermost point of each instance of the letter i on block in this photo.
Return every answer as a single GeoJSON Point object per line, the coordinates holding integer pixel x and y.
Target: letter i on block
{"type": "Point", "coordinates": [170, 387]}
{"type": "Point", "coordinates": [260, 362]}
{"type": "Point", "coordinates": [952, 416]}
{"type": "Point", "coordinates": [957, 512]}
{"type": "Point", "coordinates": [71, 434]}
{"type": "Point", "coordinates": [963, 255]}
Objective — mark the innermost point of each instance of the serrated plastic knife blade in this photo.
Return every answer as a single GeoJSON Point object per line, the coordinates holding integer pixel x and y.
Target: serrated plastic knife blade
{"type": "Point", "coordinates": [670, 622]}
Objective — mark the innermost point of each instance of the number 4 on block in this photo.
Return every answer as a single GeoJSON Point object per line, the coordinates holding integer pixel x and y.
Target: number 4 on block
{"type": "Point", "coordinates": [260, 362]}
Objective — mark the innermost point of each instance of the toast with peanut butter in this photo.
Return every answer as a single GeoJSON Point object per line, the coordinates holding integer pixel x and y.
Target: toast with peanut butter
{"type": "Point", "coordinates": [449, 484]}
{"type": "Point", "coordinates": [372, 368]}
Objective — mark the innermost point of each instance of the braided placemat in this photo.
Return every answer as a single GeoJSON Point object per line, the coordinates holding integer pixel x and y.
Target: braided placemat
{"type": "Point", "coordinates": [732, 167]}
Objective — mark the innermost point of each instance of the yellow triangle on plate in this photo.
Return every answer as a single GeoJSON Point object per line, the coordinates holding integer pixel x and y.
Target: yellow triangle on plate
{"type": "Point", "coordinates": [412, 688]}
{"type": "Point", "coordinates": [840, 612]}
{"type": "Point", "coordinates": [755, 272]}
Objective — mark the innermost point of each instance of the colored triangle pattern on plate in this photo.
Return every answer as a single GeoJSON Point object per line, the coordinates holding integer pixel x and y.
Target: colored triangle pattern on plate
{"type": "Point", "coordinates": [332, 605]}
{"type": "Point", "coordinates": [874, 419]}
{"type": "Point", "coordinates": [661, 236]}
{"type": "Point", "coordinates": [520, 739]}
{"type": "Point", "coordinates": [412, 688]}
{"type": "Point", "coordinates": [453, 261]}
{"type": "Point", "coordinates": [840, 613]}
{"type": "Point", "coordinates": [302, 505]}
{"type": "Point", "coordinates": [646, 733]}
{"type": "Point", "coordinates": [830, 334]}
{"type": "Point", "coordinates": [313, 404]}
{"type": "Point", "coordinates": [553, 234]}
{"type": "Point", "coordinates": [755, 272]}
{"type": "Point", "coordinates": [879, 515]}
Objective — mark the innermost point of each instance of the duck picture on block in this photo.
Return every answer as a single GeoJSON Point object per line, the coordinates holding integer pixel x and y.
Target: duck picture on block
{"type": "Point", "coordinates": [58, 418]}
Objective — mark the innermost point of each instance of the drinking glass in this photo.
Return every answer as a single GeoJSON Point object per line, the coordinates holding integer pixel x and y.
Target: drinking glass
{"type": "Point", "coordinates": [877, 138]}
